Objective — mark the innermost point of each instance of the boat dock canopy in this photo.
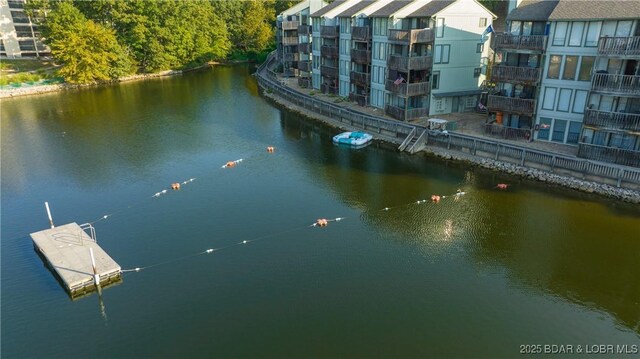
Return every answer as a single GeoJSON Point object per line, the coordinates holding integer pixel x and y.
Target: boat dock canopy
{"type": "Point", "coordinates": [66, 249]}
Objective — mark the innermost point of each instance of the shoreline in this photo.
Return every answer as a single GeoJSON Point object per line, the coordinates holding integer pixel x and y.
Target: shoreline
{"type": "Point", "coordinates": [589, 187]}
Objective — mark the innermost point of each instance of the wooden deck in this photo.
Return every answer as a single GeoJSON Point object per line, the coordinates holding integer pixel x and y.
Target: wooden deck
{"type": "Point", "coordinates": [66, 249]}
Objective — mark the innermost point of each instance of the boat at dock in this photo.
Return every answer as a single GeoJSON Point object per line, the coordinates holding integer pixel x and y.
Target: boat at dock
{"type": "Point", "coordinates": [356, 139]}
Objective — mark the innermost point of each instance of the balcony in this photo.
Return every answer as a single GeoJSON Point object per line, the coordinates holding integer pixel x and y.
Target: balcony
{"type": "Point", "coordinates": [612, 120]}
{"type": "Point", "coordinates": [290, 40]}
{"type": "Point", "coordinates": [304, 82]}
{"type": "Point", "coordinates": [305, 48]}
{"type": "Point", "coordinates": [624, 85]}
{"type": "Point", "coordinates": [515, 74]}
{"type": "Point", "coordinates": [304, 30]}
{"type": "Point", "coordinates": [360, 33]}
{"type": "Point", "coordinates": [290, 25]}
{"type": "Point", "coordinates": [304, 66]}
{"type": "Point", "coordinates": [511, 104]}
{"type": "Point", "coordinates": [407, 90]}
{"type": "Point", "coordinates": [361, 56]}
{"type": "Point", "coordinates": [360, 78]}
{"type": "Point", "coordinates": [504, 41]}
{"type": "Point", "coordinates": [609, 154]}
{"type": "Point", "coordinates": [362, 100]}
{"type": "Point", "coordinates": [329, 31]}
{"type": "Point", "coordinates": [619, 46]}
{"type": "Point", "coordinates": [329, 51]}
{"type": "Point", "coordinates": [328, 71]}
{"type": "Point", "coordinates": [404, 64]}
{"type": "Point", "coordinates": [330, 89]}
{"type": "Point", "coordinates": [405, 115]}
{"type": "Point", "coordinates": [411, 36]}
{"type": "Point", "coordinates": [291, 56]}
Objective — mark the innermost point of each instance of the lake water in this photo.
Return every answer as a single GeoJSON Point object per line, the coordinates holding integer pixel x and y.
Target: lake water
{"type": "Point", "coordinates": [487, 275]}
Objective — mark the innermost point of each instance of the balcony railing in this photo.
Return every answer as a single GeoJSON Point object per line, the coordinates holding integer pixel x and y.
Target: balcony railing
{"type": "Point", "coordinates": [330, 89]}
{"type": "Point", "coordinates": [612, 120]}
{"type": "Point", "coordinates": [518, 42]}
{"type": "Point", "coordinates": [304, 66]}
{"type": "Point", "coordinates": [609, 154]}
{"type": "Point", "coordinates": [360, 33]}
{"type": "Point", "coordinates": [616, 84]}
{"type": "Point", "coordinates": [360, 78]}
{"type": "Point", "coordinates": [511, 104]}
{"type": "Point", "coordinates": [515, 74]}
{"type": "Point", "coordinates": [407, 90]}
{"type": "Point", "coordinates": [362, 100]}
{"type": "Point", "coordinates": [304, 82]}
{"type": "Point", "coordinates": [304, 29]}
{"type": "Point", "coordinates": [329, 71]}
{"type": "Point", "coordinates": [290, 25]}
{"type": "Point", "coordinates": [305, 48]}
{"type": "Point", "coordinates": [619, 46]}
{"type": "Point", "coordinates": [329, 31]}
{"type": "Point", "coordinates": [405, 115]}
{"type": "Point", "coordinates": [290, 40]}
{"type": "Point", "coordinates": [329, 51]}
{"type": "Point", "coordinates": [361, 56]}
{"type": "Point", "coordinates": [292, 56]}
{"type": "Point", "coordinates": [404, 64]}
{"type": "Point", "coordinates": [411, 36]}
{"type": "Point", "coordinates": [510, 133]}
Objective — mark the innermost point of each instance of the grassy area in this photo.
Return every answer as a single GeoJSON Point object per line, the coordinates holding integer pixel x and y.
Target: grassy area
{"type": "Point", "coordinates": [16, 72]}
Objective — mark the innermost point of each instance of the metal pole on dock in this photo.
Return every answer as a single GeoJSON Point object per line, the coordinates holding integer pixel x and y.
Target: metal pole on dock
{"type": "Point", "coordinates": [96, 276]}
{"type": "Point", "coordinates": [46, 204]}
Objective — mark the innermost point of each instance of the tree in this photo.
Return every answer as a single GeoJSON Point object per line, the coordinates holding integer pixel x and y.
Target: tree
{"type": "Point", "coordinates": [89, 52]}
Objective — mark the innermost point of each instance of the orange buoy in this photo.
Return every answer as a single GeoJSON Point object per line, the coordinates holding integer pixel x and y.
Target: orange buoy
{"type": "Point", "coordinates": [502, 186]}
{"type": "Point", "coordinates": [175, 185]}
{"type": "Point", "coordinates": [230, 164]}
{"type": "Point", "coordinates": [435, 198]}
{"type": "Point", "coordinates": [270, 149]}
{"type": "Point", "coordinates": [322, 222]}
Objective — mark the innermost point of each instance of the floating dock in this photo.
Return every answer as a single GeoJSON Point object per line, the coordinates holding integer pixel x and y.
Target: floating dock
{"type": "Point", "coordinates": [68, 249]}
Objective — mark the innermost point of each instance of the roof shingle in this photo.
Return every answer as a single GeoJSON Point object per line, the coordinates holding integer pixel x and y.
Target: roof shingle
{"type": "Point", "coordinates": [596, 10]}
{"type": "Point", "coordinates": [533, 10]}
{"type": "Point", "coordinates": [391, 8]}
{"type": "Point", "coordinates": [431, 8]}
{"type": "Point", "coordinates": [328, 8]}
{"type": "Point", "coordinates": [356, 8]}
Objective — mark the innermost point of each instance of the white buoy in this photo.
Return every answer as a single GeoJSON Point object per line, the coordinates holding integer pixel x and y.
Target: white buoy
{"type": "Point", "coordinates": [46, 204]}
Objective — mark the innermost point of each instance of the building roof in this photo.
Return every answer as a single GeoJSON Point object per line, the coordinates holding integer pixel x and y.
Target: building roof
{"type": "Point", "coordinates": [295, 9]}
{"type": "Point", "coordinates": [328, 8]}
{"type": "Point", "coordinates": [356, 8]}
{"type": "Point", "coordinates": [391, 8]}
{"type": "Point", "coordinates": [596, 10]}
{"type": "Point", "coordinates": [534, 10]}
{"type": "Point", "coordinates": [431, 8]}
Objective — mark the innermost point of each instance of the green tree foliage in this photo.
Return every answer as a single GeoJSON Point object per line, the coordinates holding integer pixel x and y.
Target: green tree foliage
{"type": "Point", "coordinates": [88, 51]}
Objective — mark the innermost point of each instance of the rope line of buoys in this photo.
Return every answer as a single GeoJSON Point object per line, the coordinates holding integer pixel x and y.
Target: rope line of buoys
{"type": "Point", "coordinates": [501, 186]}
{"type": "Point", "coordinates": [323, 222]}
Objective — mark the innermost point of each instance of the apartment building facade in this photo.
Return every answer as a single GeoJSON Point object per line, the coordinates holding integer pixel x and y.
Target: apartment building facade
{"type": "Point", "coordinates": [20, 34]}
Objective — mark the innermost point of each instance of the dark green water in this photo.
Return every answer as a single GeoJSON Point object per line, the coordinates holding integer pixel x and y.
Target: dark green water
{"type": "Point", "coordinates": [475, 277]}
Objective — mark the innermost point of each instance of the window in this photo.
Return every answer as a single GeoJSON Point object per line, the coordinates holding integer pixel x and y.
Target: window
{"type": "Point", "coordinates": [623, 141]}
{"type": "Point", "coordinates": [586, 66]}
{"type": "Point", "coordinates": [580, 101]}
{"type": "Point", "coordinates": [564, 100]}
{"type": "Point", "coordinates": [608, 28]}
{"type": "Point", "coordinates": [554, 67]}
{"type": "Point", "coordinates": [574, 131]}
{"type": "Point", "coordinates": [479, 48]}
{"type": "Point", "coordinates": [442, 54]}
{"type": "Point", "coordinates": [575, 39]}
{"type": "Point", "coordinates": [592, 34]}
{"type": "Point", "coordinates": [483, 22]}
{"type": "Point", "coordinates": [435, 80]}
{"type": "Point", "coordinates": [477, 71]}
{"type": "Point", "coordinates": [570, 66]}
{"type": "Point", "coordinates": [624, 28]}
{"type": "Point", "coordinates": [27, 45]}
{"type": "Point", "coordinates": [559, 128]}
{"type": "Point", "coordinates": [515, 28]}
{"type": "Point", "coordinates": [440, 27]}
{"type": "Point", "coordinates": [549, 98]}
{"type": "Point", "coordinates": [560, 35]}
{"type": "Point", "coordinates": [544, 128]}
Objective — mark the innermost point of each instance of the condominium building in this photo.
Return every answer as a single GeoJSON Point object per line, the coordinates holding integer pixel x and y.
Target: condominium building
{"type": "Point", "coordinates": [20, 35]}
